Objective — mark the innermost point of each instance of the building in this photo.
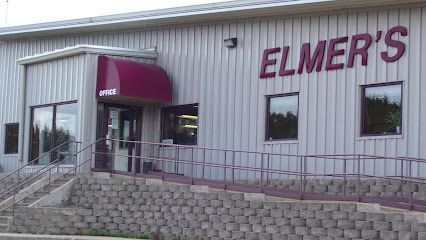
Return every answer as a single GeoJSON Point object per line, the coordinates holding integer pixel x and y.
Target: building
{"type": "Point", "coordinates": [291, 77]}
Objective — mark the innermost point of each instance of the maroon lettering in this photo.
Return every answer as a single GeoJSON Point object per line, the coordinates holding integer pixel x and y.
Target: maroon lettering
{"type": "Point", "coordinates": [266, 62]}
{"type": "Point", "coordinates": [359, 51]}
{"type": "Point", "coordinates": [400, 46]}
{"type": "Point", "coordinates": [283, 71]}
{"type": "Point", "coordinates": [359, 46]}
{"type": "Point", "coordinates": [332, 52]}
{"type": "Point", "coordinates": [305, 56]}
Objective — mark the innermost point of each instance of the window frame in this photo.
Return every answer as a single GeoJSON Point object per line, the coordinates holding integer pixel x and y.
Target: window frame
{"type": "Point", "coordinates": [362, 114]}
{"type": "Point", "coordinates": [52, 140]}
{"type": "Point", "coordinates": [268, 100]}
{"type": "Point", "coordinates": [6, 152]}
{"type": "Point", "coordinates": [163, 109]}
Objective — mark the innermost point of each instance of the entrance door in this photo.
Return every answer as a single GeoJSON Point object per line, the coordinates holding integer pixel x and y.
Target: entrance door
{"type": "Point", "coordinates": [121, 126]}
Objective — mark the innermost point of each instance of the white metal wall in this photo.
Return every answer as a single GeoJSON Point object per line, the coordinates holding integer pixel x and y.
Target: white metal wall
{"type": "Point", "coordinates": [62, 80]}
{"type": "Point", "coordinates": [225, 81]}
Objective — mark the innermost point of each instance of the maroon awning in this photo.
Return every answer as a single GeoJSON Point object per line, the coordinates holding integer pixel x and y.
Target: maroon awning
{"type": "Point", "coordinates": [129, 81]}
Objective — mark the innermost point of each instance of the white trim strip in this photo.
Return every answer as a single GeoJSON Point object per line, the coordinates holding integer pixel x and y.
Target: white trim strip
{"type": "Point", "coordinates": [91, 49]}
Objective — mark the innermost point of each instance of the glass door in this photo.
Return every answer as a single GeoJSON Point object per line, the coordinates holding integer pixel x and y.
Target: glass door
{"type": "Point", "coordinates": [121, 126]}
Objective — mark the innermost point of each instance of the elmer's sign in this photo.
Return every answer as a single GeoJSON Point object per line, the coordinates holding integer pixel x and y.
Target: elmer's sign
{"type": "Point", "coordinates": [359, 45]}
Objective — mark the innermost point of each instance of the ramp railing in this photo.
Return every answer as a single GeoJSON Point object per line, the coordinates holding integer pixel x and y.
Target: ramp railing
{"type": "Point", "coordinates": [391, 181]}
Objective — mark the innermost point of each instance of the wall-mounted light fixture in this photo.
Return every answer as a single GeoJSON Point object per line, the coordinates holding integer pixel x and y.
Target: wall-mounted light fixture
{"type": "Point", "coordinates": [230, 42]}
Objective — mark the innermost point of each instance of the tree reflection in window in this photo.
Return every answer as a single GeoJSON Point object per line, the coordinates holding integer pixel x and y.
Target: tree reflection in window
{"type": "Point", "coordinates": [282, 122]}
{"type": "Point", "coordinates": [382, 109]}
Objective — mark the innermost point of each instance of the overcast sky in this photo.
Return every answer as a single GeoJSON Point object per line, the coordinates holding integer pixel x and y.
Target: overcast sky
{"type": "Point", "coordinates": [21, 12]}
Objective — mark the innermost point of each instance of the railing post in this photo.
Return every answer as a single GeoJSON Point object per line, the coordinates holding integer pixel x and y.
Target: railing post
{"type": "Point", "coordinates": [176, 160]}
{"type": "Point", "coordinates": [411, 183]}
{"type": "Point", "coordinates": [76, 158]}
{"type": "Point", "coordinates": [204, 161]}
{"type": "Point", "coordinates": [305, 172]}
{"type": "Point", "coordinates": [192, 165]}
{"type": "Point", "coordinates": [233, 166]}
{"type": "Point", "coordinates": [162, 161]}
{"type": "Point", "coordinates": [267, 169]}
{"type": "Point", "coordinates": [48, 184]}
{"type": "Point", "coordinates": [301, 179]}
{"type": "Point", "coordinates": [17, 180]}
{"type": "Point", "coordinates": [224, 171]}
{"type": "Point", "coordinates": [358, 183]}
{"type": "Point", "coordinates": [261, 171]}
{"type": "Point", "coordinates": [344, 176]}
{"type": "Point", "coordinates": [402, 178]}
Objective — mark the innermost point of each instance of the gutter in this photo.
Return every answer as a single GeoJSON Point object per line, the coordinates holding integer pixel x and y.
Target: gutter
{"type": "Point", "coordinates": [191, 14]}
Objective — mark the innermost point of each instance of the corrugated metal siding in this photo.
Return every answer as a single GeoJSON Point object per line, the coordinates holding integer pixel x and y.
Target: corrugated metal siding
{"type": "Point", "coordinates": [57, 81]}
{"type": "Point", "coordinates": [232, 97]}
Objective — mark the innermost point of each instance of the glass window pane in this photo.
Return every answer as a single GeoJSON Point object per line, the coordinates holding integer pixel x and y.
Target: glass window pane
{"type": "Point", "coordinates": [65, 123]}
{"type": "Point", "coordinates": [42, 134]}
{"type": "Point", "coordinates": [282, 117]}
{"type": "Point", "coordinates": [382, 110]}
{"type": "Point", "coordinates": [180, 124]}
{"type": "Point", "coordinates": [12, 133]}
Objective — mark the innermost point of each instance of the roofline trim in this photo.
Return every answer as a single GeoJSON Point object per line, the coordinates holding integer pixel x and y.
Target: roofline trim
{"type": "Point", "coordinates": [84, 49]}
{"type": "Point", "coordinates": [220, 7]}
{"type": "Point", "coordinates": [186, 14]}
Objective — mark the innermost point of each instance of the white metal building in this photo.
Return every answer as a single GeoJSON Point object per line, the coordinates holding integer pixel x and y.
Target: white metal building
{"type": "Point", "coordinates": [294, 77]}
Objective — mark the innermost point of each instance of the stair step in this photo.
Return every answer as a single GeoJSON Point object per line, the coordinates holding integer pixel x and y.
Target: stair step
{"type": "Point", "coordinates": [40, 194]}
{"type": "Point", "coordinates": [6, 213]}
{"type": "Point", "coordinates": [30, 200]}
{"type": "Point", "coordinates": [4, 220]}
{"type": "Point", "coordinates": [4, 228]}
{"type": "Point", "coordinates": [23, 204]}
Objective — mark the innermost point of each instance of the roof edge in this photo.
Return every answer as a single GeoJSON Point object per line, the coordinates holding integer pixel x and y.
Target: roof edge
{"type": "Point", "coordinates": [197, 13]}
{"type": "Point", "coordinates": [91, 49]}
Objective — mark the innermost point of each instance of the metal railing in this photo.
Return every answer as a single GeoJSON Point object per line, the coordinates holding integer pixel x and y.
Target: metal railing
{"type": "Point", "coordinates": [346, 176]}
{"type": "Point", "coordinates": [51, 177]}
{"type": "Point", "coordinates": [28, 178]}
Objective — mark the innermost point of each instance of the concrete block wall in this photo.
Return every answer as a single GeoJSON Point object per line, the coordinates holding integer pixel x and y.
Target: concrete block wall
{"type": "Point", "coordinates": [10, 180]}
{"type": "Point", "coordinates": [368, 187]}
{"type": "Point", "coordinates": [135, 205]}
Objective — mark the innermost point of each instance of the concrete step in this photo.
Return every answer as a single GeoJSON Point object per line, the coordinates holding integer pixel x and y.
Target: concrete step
{"type": "Point", "coordinates": [30, 200]}
{"type": "Point", "coordinates": [40, 194]}
{"type": "Point", "coordinates": [6, 213]}
{"type": "Point", "coordinates": [4, 228]}
{"type": "Point", "coordinates": [4, 220]}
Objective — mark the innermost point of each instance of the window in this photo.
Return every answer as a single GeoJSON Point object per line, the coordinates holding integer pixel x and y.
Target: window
{"type": "Point", "coordinates": [52, 126]}
{"type": "Point", "coordinates": [180, 124]}
{"type": "Point", "coordinates": [282, 117]}
{"type": "Point", "coordinates": [381, 109]}
{"type": "Point", "coordinates": [11, 141]}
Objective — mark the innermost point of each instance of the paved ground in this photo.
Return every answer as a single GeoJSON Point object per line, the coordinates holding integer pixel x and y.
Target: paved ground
{"type": "Point", "coordinates": [12, 236]}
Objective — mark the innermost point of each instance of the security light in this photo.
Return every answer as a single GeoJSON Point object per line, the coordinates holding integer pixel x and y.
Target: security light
{"type": "Point", "coordinates": [230, 42]}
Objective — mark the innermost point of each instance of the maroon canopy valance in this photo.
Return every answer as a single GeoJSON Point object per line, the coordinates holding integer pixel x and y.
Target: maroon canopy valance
{"type": "Point", "coordinates": [125, 80]}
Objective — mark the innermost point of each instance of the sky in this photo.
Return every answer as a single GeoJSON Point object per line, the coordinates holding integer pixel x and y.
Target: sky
{"type": "Point", "coordinates": [21, 12]}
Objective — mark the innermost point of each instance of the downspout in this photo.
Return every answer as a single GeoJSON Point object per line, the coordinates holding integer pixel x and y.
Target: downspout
{"type": "Point", "coordinates": [22, 104]}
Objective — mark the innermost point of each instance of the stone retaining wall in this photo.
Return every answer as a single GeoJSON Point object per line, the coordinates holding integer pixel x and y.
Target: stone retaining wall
{"type": "Point", "coordinates": [134, 205]}
{"type": "Point", "coordinates": [368, 187]}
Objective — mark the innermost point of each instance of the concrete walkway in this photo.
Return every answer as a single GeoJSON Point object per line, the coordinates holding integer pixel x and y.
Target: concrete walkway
{"type": "Point", "coordinates": [14, 236]}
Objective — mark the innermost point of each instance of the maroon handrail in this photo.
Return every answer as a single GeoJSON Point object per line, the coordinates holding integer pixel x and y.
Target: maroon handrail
{"type": "Point", "coordinates": [352, 167]}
